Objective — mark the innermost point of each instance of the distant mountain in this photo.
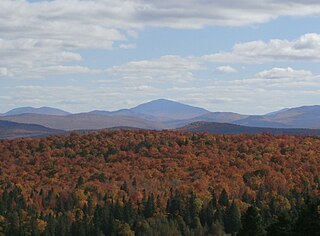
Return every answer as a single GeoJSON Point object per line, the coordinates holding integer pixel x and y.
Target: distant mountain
{"type": "Point", "coordinates": [276, 112]}
{"type": "Point", "coordinates": [306, 116]}
{"type": "Point", "coordinates": [123, 112]}
{"type": "Point", "coordinates": [156, 110]}
{"type": "Point", "coordinates": [165, 109]}
{"type": "Point", "coordinates": [98, 112]}
{"type": "Point", "coordinates": [300, 117]}
{"type": "Point", "coordinates": [11, 130]}
{"type": "Point", "coordinates": [41, 110]}
{"type": "Point", "coordinates": [260, 121]}
{"type": "Point", "coordinates": [225, 128]}
{"type": "Point", "coordinates": [222, 117]}
{"type": "Point", "coordinates": [225, 117]}
{"type": "Point", "coordinates": [161, 114]}
{"type": "Point", "coordinates": [84, 121]}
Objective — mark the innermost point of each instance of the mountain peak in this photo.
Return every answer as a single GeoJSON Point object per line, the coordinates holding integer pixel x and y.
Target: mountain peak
{"type": "Point", "coordinates": [163, 100]}
{"type": "Point", "coordinates": [41, 110]}
{"type": "Point", "coordinates": [168, 109]}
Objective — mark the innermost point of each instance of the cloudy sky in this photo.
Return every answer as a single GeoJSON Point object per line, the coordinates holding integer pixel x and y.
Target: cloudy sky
{"type": "Point", "coordinates": [244, 56]}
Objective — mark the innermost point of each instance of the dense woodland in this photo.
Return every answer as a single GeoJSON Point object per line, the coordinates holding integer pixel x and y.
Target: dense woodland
{"type": "Point", "coordinates": [160, 183]}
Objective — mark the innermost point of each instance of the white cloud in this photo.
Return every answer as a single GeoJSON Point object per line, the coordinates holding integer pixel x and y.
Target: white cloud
{"type": "Point", "coordinates": [306, 48]}
{"type": "Point", "coordinates": [173, 67]}
{"type": "Point", "coordinates": [3, 71]}
{"type": "Point", "coordinates": [29, 58]}
{"type": "Point", "coordinates": [278, 73]}
{"type": "Point", "coordinates": [225, 69]}
{"type": "Point", "coordinates": [127, 46]}
{"type": "Point", "coordinates": [76, 98]}
{"type": "Point", "coordinates": [266, 91]}
{"type": "Point", "coordinates": [47, 37]}
{"type": "Point", "coordinates": [49, 33]}
{"type": "Point", "coordinates": [69, 70]}
{"type": "Point", "coordinates": [198, 14]}
{"type": "Point", "coordinates": [167, 68]}
{"type": "Point", "coordinates": [106, 14]}
{"type": "Point", "coordinates": [282, 80]}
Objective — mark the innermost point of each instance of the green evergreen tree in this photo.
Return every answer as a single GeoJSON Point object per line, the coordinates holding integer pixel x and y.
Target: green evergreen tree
{"type": "Point", "coordinates": [128, 212]}
{"type": "Point", "coordinates": [174, 204]}
{"type": "Point", "coordinates": [218, 216]}
{"type": "Point", "coordinates": [224, 198]}
{"type": "Point", "coordinates": [213, 200]}
{"type": "Point", "coordinates": [233, 219]}
{"type": "Point", "coordinates": [207, 215]}
{"type": "Point", "coordinates": [252, 224]}
{"type": "Point", "coordinates": [4, 202]}
{"type": "Point", "coordinates": [118, 211]}
{"type": "Point", "coordinates": [14, 224]}
{"type": "Point", "coordinates": [217, 230]}
{"type": "Point", "coordinates": [149, 208]}
{"type": "Point", "coordinates": [282, 227]}
{"type": "Point", "coordinates": [308, 223]}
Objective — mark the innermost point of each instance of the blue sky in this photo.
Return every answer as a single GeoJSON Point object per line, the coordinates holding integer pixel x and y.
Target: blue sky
{"type": "Point", "coordinates": [248, 57]}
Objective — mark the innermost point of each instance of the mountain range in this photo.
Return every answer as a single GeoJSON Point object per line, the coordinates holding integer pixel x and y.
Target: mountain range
{"type": "Point", "coordinates": [162, 114]}
{"type": "Point", "coordinates": [225, 128]}
{"type": "Point", "coordinates": [11, 130]}
{"type": "Point", "coordinates": [32, 110]}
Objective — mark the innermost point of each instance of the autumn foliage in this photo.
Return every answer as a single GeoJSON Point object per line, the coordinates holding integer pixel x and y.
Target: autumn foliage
{"type": "Point", "coordinates": [156, 161]}
{"type": "Point", "coordinates": [133, 165]}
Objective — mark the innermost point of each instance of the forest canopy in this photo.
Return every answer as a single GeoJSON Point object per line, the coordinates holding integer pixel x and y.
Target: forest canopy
{"type": "Point", "coordinates": [132, 181]}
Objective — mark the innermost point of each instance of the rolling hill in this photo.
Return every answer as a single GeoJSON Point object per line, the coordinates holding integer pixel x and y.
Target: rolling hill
{"type": "Point", "coordinates": [84, 121]}
{"type": "Point", "coordinates": [306, 117]}
{"type": "Point", "coordinates": [12, 130]}
{"type": "Point", "coordinates": [221, 117]}
{"type": "Point", "coordinates": [299, 117]}
{"type": "Point", "coordinates": [32, 110]}
{"type": "Point", "coordinates": [122, 112]}
{"type": "Point", "coordinates": [225, 128]}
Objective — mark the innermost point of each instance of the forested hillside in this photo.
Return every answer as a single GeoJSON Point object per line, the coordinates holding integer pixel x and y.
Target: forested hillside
{"type": "Point", "coordinates": [160, 183]}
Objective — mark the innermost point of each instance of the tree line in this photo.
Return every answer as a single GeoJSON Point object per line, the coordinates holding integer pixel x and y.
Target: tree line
{"type": "Point", "coordinates": [183, 214]}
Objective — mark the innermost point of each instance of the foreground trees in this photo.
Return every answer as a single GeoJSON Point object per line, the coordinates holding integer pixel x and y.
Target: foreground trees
{"type": "Point", "coordinates": [160, 183]}
{"type": "Point", "coordinates": [182, 215]}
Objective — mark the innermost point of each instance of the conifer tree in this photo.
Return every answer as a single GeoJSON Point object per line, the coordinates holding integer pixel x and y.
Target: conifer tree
{"type": "Point", "coordinates": [308, 222]}
{"type": "Point", "coordinates": [252, 224]}
{"type": "Point", "coordinates": [233, 219]}
{"type": "Point", "coordinates": [224, 199]}
{"type": "Point", "coordinates": [282, 227]}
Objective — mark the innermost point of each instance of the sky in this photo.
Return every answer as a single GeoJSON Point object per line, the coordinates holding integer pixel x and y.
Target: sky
{"type": "Point", "coordinates": [245, 56]}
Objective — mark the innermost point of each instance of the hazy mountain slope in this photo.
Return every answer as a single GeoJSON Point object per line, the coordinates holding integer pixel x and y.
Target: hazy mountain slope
{"type": "Point", "coordinates": [11, 130]}
{"type": "Point", "coordinates": [225, 128]}
{"type": "Point", "coordinates": [123, 112]}
{"type": "Point", "coordinates": [226, 117]}
{"type": "Point", "coordinates": [98, 112]}
{"type": "Point", "coordinates": [306, 116]}
{"type": "Point", "coordinates": [299, 117]}
{"type": "Point", "coordinates": [223, 117]}
{"type": "Point", "coordinates": [260, 121]}
{"type": "Point", "coordinates": [41, 110]}
{"type": "Point", "coordinates": [161, 114]}
{"type": "Point", "coordinates": [277, 112]}
{"type": "Point", "coordinates": [83, 121]}
{"type": "Point", "coordinates": [169, 110]}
